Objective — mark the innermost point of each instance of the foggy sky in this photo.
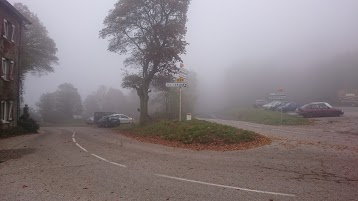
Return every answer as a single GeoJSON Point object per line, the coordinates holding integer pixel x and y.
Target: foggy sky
{"type": "Point", "coordinates": [291, 34]}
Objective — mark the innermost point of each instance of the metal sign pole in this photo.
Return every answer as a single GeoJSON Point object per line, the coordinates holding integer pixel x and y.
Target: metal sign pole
{"type": "Point", "coordinates": [179, 103]}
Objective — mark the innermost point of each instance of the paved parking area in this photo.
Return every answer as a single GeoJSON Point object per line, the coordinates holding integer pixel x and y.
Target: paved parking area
{"type": "Point", "coordinates": [347, 124]}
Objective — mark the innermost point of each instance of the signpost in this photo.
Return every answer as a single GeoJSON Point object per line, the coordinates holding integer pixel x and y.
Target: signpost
{"type": "Point", "coordinates": [180, 82]}
{"type": "Point", "coordinates": [277, 96]}
{"type": "Point", "coordinates": [183, 72]}
{"type": "Point", "coordinates": [280, 95]}
{"type": "Point", "coordinates": [176, 84]}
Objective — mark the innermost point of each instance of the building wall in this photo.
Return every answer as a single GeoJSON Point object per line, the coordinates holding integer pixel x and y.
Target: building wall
{"type": "Point", "coordinates": [10, 51]}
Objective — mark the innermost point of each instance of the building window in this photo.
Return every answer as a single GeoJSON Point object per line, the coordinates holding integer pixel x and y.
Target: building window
{"type": "Point", "coordinates": [10, 111]}
{"type": "Point", "coordinates": [6, 111]}
{"type": "Point", "coordinates": [5, 29]}
{"type": "Point", "coordinates": [11, 70]}
{"type": "Point", "coordinates": [13, 33]}
{"type": "Point", "coordinates": [7, 69]}
{"type": "Point", "coordinates": [9, 31]}
{"type": "Point", "coordinates": [4, 69]}
{"type": "Point", "coordinates": [3, 112]}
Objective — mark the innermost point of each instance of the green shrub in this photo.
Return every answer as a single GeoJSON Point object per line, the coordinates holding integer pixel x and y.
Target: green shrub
{"type": "Point", "coordinates": [29, 124]}
{"type": "Point", "coordinates": [13, 131]}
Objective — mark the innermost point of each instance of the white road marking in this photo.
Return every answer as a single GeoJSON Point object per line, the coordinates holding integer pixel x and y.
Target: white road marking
{"type": "Point", "coordinates": [224, 186]}
{"type": "Point", "coordinates": [81, 147]}
{"type": "Point", "coordinates": [114, 163]}
{"type": "Point", "coordinates": [100, 157]}
{"type": "Point", "coordinates": [187, 180]}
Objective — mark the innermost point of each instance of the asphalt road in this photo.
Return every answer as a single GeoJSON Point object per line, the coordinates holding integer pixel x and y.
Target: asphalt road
{"type": "Point", "coordinates": [86, 163]}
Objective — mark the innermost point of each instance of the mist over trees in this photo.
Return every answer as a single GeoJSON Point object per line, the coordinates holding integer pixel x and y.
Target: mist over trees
{"type": "Point", "coordinates": [153, 34]}
{"type": "Point", "coordinates": [240, 58]}
{"type": "Point", "coordinates": [165, 102]}
{"type": "Point", "coordinates": [110, 100]}
{"type": "Point", "coordinates": [320, 80]}
{"type": "Point", "coordinates": [60, 106]}
{"type": "Point", "coordinates": [38, 49]}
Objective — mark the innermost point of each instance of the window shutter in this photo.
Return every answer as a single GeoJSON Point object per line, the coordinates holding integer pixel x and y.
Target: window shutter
{"type": "Point", "coordinates": [3, 111]}
{"type": "Point", "coordinates": [11, 73]}
{"type": "Point", "coordinates": [3, 68]}
{"type": "Point", "coordinates": [13, 34]}
{"type": "Point", "coordinates": [5, 29]}
{"type": "Point", "coordinates": [10, 111]}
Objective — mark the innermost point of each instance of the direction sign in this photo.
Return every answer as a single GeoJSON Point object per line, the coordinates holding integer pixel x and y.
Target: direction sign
{"type": "Point", "coordinates": [180, 79]}
{"type": "Point", "coordinates": [277, 96]}
{"type": "Point", "coordinates": [183, 84]}
{"type": "Point", "coordinates": [183, 70]}
{"type": "Point", "coordinates": [184, 75]}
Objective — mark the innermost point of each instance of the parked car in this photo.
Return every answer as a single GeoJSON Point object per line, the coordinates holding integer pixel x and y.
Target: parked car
{"type": "Point", "coordinates": [90, 120]}
{"type": "Point", "coordinates": [288, 107]}
{"type": "Point", "coordinates": [108, 121]}
{"type": "Point", "coordinates": [274, 106]}
{"type": "Point", "coordinates": [319, 109]}
{"type": "Point", "coordinates": [269, 105]}
{"type": "Point", "coordinates": [98, 115]}
{"type": "Point", "coordinates": [259, 103]}
{"type": "Point", "coordinates": [124, 119]}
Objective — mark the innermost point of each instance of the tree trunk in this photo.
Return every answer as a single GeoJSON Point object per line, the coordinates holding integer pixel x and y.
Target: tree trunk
{"type": "Point", "coordinates": [144, 98]}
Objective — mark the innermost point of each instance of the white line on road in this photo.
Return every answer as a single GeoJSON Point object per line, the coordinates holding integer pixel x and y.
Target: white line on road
{"type": "Point", "coordinates": [114, 163]}
{"type": "Point", "coordinates": [100, 157]}
{"type": "Point", "coordinates": [224, 186]}
{"type": "Point", "coordinates": [81, 147]}
{"type": "Point", "coordinates": [187, 180]}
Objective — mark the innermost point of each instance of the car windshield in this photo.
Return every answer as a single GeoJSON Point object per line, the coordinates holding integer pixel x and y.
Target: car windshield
{"type": "Point", "coordinates": [306, 105]}
{"type": "Point", "coordinates": [328, 105]}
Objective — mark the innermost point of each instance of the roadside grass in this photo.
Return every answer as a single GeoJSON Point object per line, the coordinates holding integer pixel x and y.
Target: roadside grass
{"type": "Point", "coordinates": [267, 117]}
{"type": "Point", "coordinates": [192, 132]}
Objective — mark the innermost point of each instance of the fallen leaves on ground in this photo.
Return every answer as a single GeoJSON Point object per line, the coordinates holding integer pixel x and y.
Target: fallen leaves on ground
{"type": "Point", "coordinates": [217, 146]}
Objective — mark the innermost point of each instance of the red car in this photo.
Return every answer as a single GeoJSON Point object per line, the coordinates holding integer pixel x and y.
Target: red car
{"type": "Point", "coordinates": [319, 109]}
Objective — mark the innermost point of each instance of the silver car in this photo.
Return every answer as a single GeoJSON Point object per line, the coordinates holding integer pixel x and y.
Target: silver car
{"type": "Point", "coordinates": [271, 104]}
{"type": "Point", "coordinates": [124, 119]}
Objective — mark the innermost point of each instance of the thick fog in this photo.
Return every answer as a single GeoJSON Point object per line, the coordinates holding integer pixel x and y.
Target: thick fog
{"type": "Point", "coordinates": [240, 50]}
